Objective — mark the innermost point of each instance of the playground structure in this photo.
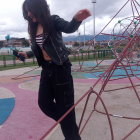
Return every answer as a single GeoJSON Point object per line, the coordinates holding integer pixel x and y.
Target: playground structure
{"type": "Point", "coordinates": [125, 45]}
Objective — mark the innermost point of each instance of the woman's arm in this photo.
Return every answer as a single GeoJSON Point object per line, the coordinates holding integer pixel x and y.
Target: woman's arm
{"type": "Point", "coordinates": [28, 54]}
{"type": "Point", "coordinates": [70, 27]}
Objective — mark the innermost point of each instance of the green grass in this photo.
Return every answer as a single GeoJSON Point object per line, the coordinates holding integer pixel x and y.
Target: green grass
{"type": "Point", "coordinates": [7, 57]}
{"type": "Point", "coordinates": [89, 57]}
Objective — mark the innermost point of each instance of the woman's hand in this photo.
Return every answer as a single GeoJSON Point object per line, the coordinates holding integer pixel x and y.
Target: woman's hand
{"type": "Point", "coordinates": [20, 55]}
{"type": "Point", "coordinates": [23, 54]}
{"type": "Point", "coordinates": [82, 14]}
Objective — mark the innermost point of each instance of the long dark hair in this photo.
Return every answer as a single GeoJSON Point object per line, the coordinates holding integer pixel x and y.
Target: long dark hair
{"type": "Point", "coordinates": [41, 11]}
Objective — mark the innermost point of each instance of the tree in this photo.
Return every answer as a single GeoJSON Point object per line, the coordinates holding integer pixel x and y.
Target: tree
{"type": "Point", "coordinates": [76, 44]}
{"type": "Point", "coordinates": [1, 44]}
{"type": "Point", "coordinates": [25, 43]}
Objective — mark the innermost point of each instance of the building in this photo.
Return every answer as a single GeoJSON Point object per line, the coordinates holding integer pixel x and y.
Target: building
{"type": "Point", "coordinates": [16, 42]}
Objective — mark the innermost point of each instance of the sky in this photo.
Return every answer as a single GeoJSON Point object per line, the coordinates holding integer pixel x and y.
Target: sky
{"type": "Point", "coordinates": [12, 22]}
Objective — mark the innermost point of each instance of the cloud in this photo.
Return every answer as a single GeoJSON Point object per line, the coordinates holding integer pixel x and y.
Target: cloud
{"type": "Point", "coordinates": [11, 18]}
{"type": "Point", "coordinates": [12, 21]}
{"type": "Point", "coordinates": [2, 23]}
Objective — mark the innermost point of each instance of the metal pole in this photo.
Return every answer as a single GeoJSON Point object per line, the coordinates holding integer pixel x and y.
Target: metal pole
{"type": "Point", "coordinates": [94, 2]}
{"type": "Point", "coordinates": [84, 34]}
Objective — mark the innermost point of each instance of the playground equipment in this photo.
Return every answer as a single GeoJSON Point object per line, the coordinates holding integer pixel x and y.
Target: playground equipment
{"type": "Point", "coordinates": [125, 45]}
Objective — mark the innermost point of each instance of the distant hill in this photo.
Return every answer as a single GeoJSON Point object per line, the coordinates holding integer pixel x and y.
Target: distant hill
{"type": "Point", "coordinates": [87, 37]}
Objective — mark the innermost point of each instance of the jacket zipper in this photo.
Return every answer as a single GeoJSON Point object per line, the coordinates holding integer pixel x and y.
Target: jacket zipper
{"type": "Point", "coordinates": [54, 48]}
{"type": "Point", "coordinates": [56, 51]}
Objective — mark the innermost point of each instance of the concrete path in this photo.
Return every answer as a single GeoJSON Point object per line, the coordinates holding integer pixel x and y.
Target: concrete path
{"type": "Point", "coordinates": [26, 121]}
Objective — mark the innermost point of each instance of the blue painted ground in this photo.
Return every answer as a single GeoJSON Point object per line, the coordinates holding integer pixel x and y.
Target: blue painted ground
{"type": "Point", "coordinates": [89, 63]}
{"type": "Point", "coordinates": [119, 73]}
{"type": "Point", "coordinates": [6, 107]}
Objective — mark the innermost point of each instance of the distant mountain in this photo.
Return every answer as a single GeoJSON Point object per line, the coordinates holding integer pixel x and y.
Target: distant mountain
{"type": "Point", "coordinates": [87, 37]}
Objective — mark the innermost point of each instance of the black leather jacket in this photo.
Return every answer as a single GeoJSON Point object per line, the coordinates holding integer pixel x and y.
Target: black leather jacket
{"type": "Point", "coordinates": [54, 46]}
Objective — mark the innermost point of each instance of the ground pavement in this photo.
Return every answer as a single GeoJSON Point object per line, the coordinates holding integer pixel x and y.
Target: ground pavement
{"type": "Point", "coordinates": [21, 118]}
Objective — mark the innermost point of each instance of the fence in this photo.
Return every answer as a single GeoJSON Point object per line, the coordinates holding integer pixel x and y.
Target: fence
{"type": "Point", "coordinates": [10, 60]}
{"type": "Point", "coordinates": [92, 55]}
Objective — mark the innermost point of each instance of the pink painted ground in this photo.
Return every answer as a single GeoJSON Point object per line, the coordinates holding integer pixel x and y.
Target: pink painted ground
{"type": "Point", "coordinates": [26, 122]}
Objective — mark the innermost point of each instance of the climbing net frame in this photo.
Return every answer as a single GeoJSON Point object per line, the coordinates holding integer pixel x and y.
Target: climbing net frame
{"type": "Point", "coordinates": [130, 37]}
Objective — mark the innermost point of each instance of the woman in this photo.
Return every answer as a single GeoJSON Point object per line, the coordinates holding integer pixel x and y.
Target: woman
{"type": "Point", "coordinates": [56, 93]}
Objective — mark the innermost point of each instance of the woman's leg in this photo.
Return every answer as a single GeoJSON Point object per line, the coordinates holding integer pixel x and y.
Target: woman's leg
{"type": "Point", "coordinates": [46, 96]}
{"type": "Point", "coordinates": [64, 96]}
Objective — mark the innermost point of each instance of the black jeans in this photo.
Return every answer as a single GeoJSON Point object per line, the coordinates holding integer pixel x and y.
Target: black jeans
{"type": "Point", "coordinates": [56, 96]}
